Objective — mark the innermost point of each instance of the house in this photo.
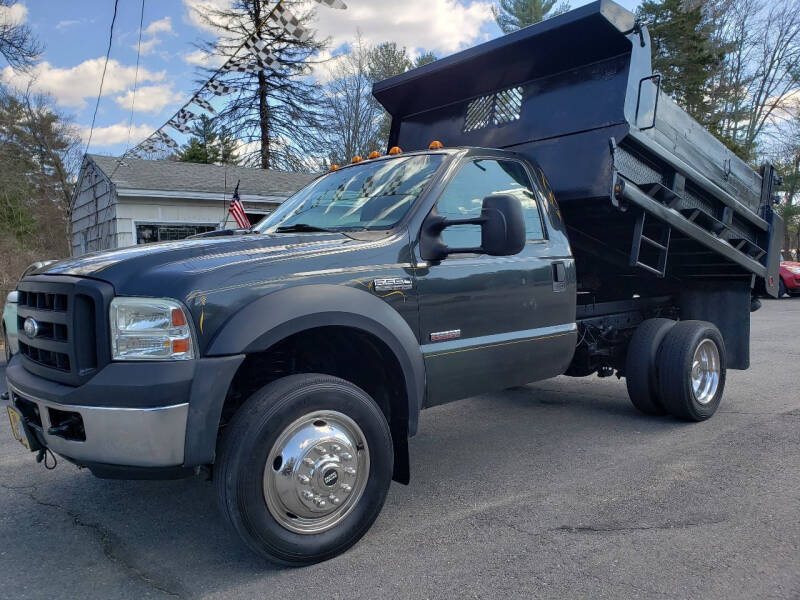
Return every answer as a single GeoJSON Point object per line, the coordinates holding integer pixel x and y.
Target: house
{"type": "Point", "coordinates": [123, 202]}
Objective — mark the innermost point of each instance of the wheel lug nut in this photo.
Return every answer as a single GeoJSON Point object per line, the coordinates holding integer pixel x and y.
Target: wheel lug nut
{"type": "Point", "coordinates": [346, 487]}
{"type": "Point", "coordinates": [308, 495]}
{"type": "Point", "coordinates": [350, 470]}
{"type": "Point", "coordinates": [309, 461]}
{"type": "Point", "coordinates": [320, 449]}
{"type": "Point", "coordinates": [336, 447]}
{"type": "Point", "coordinates": [304, 479]}
{"type": "Point", "coordinates": [346, 456]}
{"type": "Point", "coordinates": [334, 499]}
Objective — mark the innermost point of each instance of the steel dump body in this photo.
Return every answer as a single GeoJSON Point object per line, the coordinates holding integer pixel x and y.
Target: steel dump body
{"type": "Point", "coordinates": [648, 195]}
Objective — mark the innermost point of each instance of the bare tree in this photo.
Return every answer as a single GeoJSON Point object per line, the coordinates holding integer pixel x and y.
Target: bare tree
{"type": "Point", "coordinates": [17, 44]}
{"type": "Point", "coordinates": [761, 70]}
{"type": "Point", "coordinates": [273, 109]}
{"type": "Point", "coordinates": [351, 119]}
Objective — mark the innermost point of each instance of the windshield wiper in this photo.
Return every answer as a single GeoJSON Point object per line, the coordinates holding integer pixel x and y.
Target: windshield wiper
{"type": "Point", "coordinates": [300, 227]}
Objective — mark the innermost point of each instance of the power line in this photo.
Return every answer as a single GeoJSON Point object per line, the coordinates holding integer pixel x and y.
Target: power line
{"type": "Point", "coordinates": [103, 77]}
{"type": "Point", "coordinates": [133, 98]}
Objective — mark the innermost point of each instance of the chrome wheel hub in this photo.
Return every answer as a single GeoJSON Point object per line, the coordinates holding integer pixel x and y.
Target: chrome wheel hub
{"type": "Point", "coordinates": [316, 472]}
{"type": "Point", "coordinates": [705, 373]}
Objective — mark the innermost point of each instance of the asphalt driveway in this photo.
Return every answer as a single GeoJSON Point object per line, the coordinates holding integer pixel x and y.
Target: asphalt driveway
{"type": "Point", "coordinates": [554, 490]}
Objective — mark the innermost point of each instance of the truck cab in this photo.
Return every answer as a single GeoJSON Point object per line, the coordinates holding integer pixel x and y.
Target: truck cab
{"type": "Point", "coordinates": [560, 229]}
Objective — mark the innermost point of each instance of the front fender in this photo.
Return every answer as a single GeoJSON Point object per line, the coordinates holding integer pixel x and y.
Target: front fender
{"type": "Point", "coordinates": [271, 318]}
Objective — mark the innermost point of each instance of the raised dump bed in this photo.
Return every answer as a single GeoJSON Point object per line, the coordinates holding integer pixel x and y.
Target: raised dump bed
{"type": "Point", "coordinates": [653, 202]}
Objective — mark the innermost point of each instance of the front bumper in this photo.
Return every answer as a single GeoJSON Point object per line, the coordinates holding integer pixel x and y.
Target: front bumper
{"type": "Point", "coordinates": [132, 415]}
{"type": "Point", "coordinates": [138, 437]}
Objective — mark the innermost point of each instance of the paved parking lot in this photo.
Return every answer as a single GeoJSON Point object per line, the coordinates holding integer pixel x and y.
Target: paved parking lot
{"type": "Point", "coordinates": [555, 490]}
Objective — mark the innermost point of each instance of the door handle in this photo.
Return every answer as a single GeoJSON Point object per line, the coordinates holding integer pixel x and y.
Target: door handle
{"type": "Point", "coordinates": [559, 276]}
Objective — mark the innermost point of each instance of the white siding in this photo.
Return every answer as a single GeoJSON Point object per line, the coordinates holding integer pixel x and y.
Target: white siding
{"type": "Point", "coordinates": [93, 215]}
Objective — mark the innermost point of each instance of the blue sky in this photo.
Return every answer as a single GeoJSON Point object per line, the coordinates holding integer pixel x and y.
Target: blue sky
{"type": "Point", "coordinates": [75, 34]}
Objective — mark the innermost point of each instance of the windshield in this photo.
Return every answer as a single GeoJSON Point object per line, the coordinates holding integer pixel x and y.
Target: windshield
{"type": "Point", "coordinates": [374, 195]}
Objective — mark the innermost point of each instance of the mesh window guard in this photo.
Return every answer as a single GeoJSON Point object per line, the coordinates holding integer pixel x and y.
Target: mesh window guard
{"type": "Point", "coordinates": [493, 109]}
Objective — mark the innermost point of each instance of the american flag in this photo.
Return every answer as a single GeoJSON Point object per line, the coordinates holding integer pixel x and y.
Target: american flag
{"type": "Point", "coordinates": [236, 209]}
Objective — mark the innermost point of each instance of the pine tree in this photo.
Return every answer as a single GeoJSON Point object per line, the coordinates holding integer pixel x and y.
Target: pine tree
{"type": "Point", "coordinates": [516, 14]}
{"type": "Point", "coordinates": [273, 109]}
{"type": "Point", "coordinates": [684, 52]}
{"type": "Point", "coordinates": [209, 144]}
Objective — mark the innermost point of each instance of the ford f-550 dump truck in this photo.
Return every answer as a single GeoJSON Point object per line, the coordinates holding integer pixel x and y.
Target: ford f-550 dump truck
{"type": "Point", "coordinates": [577, 221]}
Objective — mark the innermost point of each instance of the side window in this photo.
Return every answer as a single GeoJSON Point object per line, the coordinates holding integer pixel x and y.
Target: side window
{"type": "Point", "coordinates": [480, 178]}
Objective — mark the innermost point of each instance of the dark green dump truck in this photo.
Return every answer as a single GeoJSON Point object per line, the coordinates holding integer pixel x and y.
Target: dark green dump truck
{"type": "Point", "coordinates": [576, 221]}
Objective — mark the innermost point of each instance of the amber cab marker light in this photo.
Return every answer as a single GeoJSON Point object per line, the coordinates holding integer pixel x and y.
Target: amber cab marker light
{"type": "Point", "coordinates": [357, 159]}
{"type": "Point", "coordinates": [395, 150]}
{"type": "Point", "coordinates": [374, 154]}
{"type": "Point", "coordinates": [435, 145]}
{"type": "Point", "coordinates": [334, 168]}
{"type": "Point", "coordinates": [178, 318]}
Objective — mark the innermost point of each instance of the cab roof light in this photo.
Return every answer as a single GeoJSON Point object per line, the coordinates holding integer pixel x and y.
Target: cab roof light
{"type": "Point", "coordinates": [395, 151]}
{"type": "Point", "coordinates": [435, 145]}
{"type": "Point", "coordinates": [356, 159]}
{"type": "Point", "coordinates": [374, 154]}
{"type": "Point", "coordinates": [334, 168]}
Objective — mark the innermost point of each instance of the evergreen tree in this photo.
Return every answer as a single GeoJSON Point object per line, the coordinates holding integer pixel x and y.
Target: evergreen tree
{"type": "Point", "coordinates": [209, 144]}
{"type": "Point", "coordinates": [684, 52]}
{"type": "Point", "coordinates": [516, 14]}
{"type": "Point", "coordinates": [274, 109]}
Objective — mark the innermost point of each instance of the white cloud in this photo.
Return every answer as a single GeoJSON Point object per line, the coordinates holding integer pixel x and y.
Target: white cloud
{"type": "Point", "coordinates": [442, 26]}
{"type": "Point", "coordinates": [72, 86]}
{"type": "Point", "coordinates": [198, 58]}
{"type": "Point", "coordinates": [161, 26]}
{"type": "Point", "coordinates": [147, 46]}
{"type": "Point", "coordinates": [67, 23]}
{"type": "Point", "coordinates": [116, 134]}
{"type": "Point", "coordinates": [149, 98]}
{"type": "Point", "coordinates": [14, 14]}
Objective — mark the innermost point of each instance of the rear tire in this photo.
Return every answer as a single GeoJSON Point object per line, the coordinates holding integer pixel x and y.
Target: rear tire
{"type": "Point", "coordinates": [691, 370]}
{"type": "Point", "coordinates": [303, 468]}
{"type": "Point", "coordinates": [640, 365]}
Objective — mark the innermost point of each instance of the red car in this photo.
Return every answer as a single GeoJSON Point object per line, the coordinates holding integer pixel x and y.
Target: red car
{"type": "Point", "coordinates": [790, 278]}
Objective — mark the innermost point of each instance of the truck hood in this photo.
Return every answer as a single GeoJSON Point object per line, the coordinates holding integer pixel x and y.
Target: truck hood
{"type": "Point", "coordinates": [159, 266]}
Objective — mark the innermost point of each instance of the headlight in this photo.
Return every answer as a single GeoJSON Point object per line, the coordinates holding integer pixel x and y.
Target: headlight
{"type": "Point", "coordinates": [795, 270]}
{"type": "Point", "coordinates": [149, 329]}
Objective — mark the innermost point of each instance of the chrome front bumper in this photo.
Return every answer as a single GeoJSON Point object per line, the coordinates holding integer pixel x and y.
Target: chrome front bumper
{"type": "Point", "coordinates": [136, 437]}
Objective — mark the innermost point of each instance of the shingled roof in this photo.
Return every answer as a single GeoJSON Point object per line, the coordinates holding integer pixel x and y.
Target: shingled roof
{"type": "Point", "coordinates": [174, 176]}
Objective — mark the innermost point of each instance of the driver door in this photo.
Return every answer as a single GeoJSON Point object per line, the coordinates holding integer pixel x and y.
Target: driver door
{"type": "Point", "coordinates": [490, 322]}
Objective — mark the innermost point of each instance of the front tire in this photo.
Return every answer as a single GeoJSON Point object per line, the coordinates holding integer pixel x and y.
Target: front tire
{"type": "Point", "coordinates": [304, 468]}
{"type": "Point", "coordinates": [691, 370]}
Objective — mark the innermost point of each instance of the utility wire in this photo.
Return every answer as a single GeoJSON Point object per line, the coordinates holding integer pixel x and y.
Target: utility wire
{"type": "Point", "coordinates": [133, 98]}
{"type": "Point", "coordinates": [103, 77]}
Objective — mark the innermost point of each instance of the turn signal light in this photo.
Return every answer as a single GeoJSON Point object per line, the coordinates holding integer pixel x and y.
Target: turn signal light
{"type": "Point", "coordinates": [357, 159]}
{"type": "Point", "coordinates": [435, 145]}
{"type": "Point", "coordinates": [334, 168]}
{"type": "Point", "coordinates": [374, 154]}
{"type": "Point", "coordinates": [395, 150]}
{"type": "Point", "coordinates": [178, 318]}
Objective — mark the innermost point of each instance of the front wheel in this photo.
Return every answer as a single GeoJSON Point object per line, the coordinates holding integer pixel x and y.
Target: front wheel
{"type": "Point", "coordinates": [304, 468]}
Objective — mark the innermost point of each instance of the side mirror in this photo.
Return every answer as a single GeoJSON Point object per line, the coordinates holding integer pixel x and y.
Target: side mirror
{"type": "Point", "coordinates": [502, 224]}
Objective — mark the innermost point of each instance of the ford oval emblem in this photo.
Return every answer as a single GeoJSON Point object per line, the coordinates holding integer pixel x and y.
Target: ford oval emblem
{"type": "Point", "coordinates": [31, 327]}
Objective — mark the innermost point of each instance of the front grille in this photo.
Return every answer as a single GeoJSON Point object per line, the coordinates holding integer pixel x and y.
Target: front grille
{"type": "Point", "coordinates": [43, 301]}
{"type": "Point", "coordinates": [70, 315]}
{"type": "Point", "coordinates": [48, 358]}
